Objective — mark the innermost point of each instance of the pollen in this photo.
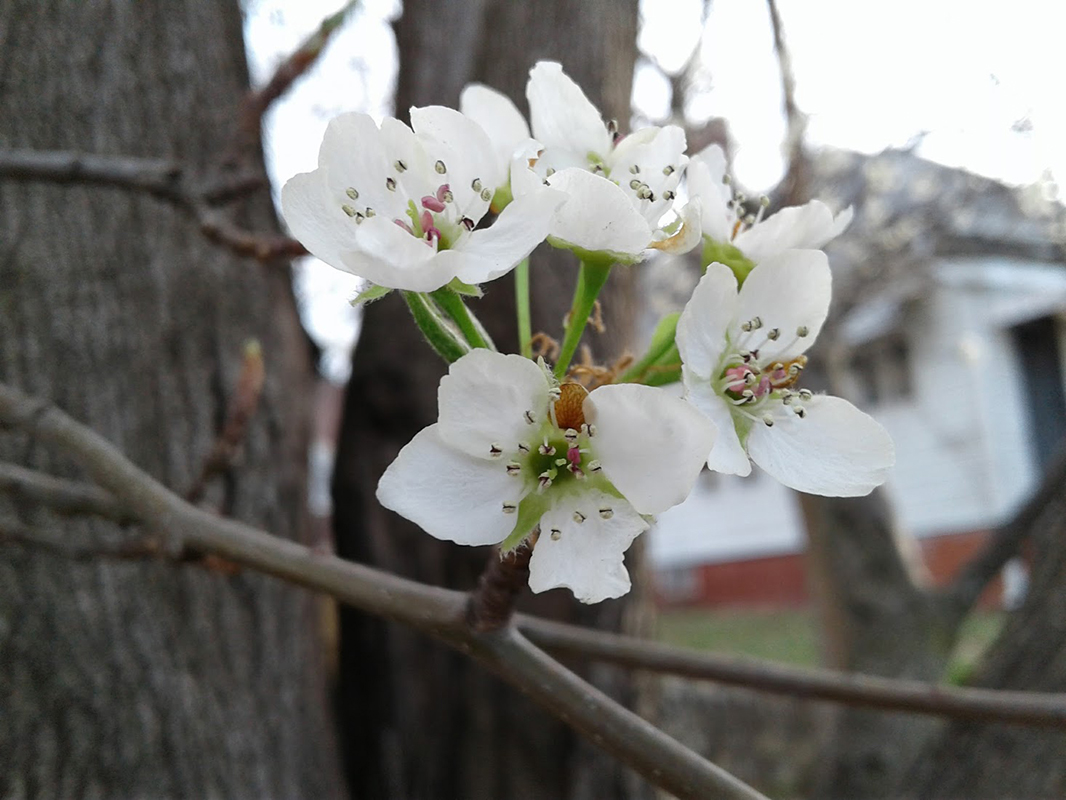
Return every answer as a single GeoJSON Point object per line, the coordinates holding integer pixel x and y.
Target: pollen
{"type": "Point", "coordinates": [568, 412]}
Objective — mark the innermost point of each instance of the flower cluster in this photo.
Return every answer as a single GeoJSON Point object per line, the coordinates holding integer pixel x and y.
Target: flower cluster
{"type": "Point", "coordinates": [524, 453]}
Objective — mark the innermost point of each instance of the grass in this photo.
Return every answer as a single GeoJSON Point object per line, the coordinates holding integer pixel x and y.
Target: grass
{"type": "Point", "coordinates": [790, 636]}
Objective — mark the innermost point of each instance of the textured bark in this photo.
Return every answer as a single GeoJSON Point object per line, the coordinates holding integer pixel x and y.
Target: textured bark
{"type": "Point", "coordinates": [421, 722]}
{"type": "Point", "coordinates": [146, 679]}
{"type": "Point", "coordinates": [996, 761]}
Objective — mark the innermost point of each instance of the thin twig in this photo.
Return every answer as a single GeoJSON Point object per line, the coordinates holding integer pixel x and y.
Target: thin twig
{"type": "Point", "coordinates": [888, 694]}
{"type": "Point", "coordinates": [793, 187]}
{"type": "Point", "coordinates": [62, 496]}
{"type": "Point", "coordinates": [14, 532]}
{"type": "Point", "coordinates": [165, 181]}
{"type": "Point", "coordinates": [439, 612]}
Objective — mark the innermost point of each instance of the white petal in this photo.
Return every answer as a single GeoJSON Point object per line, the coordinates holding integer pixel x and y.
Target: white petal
{"type": "Point", "coordinates": [354, 156]}
{"type": "Point", "coordinates": [499, 117]}
{"type": "Point", "coordinates": [728, 455]}
{"type": "Point", "coordinates": [390, 256]}
{"type": "Point", "coordinates": [704, 175]}
{"type": "Point", "coordinates": [561, 115]}
{"type": "Point", "coordinates": [597, 215]}
{"type": "Point", "coordinates": [687, 236]}
{"type": "Point", "coordinates": [835, 450]}
{"type": "Point", "coordinates": [585, 557]}
{"type": "Point", "coordinates": [656, 158]}
{"type": "Point", "coordinates": [523, 178]}
{"type": "Point", "coordinates": [701, 330]}
{"type": "Point", "coordinates": [483, 402]}
{"type": "Point", "coordinates": [788, 291]}
{"type": "Point", "coordinates": [652, 445]}
{"type": "Point", "coordinates": [462, 146]}
{"type": "Point", "coordinates": [808, 226]}
{"type": "Point", "coordinates": [487, 254]}
{"type": "Point", "coordinates": [418, 179]}
{"type": "Point", "coordinates": [316, 220]}
{"type": "Point", "coordinates": [449, 494]}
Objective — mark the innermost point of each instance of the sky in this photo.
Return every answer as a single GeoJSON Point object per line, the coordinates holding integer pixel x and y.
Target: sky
{"type": "Point", "coordinates": [969, 84]}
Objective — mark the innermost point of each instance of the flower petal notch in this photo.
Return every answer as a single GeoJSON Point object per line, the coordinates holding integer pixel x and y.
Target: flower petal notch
{"type": "Point", "coordinates": [515, 455]}
{"type": "Point", "coordinates": [400, 206]}
{"type": "Point", "coordinates": [743, 354]}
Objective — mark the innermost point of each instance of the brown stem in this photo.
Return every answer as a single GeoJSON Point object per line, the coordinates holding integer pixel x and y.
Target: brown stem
{"type": "Point", "coordinates": [505, 576]}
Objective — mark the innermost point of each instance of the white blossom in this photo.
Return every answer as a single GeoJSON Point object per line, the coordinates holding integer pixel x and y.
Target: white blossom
{"type": "Point", "coordinates": [399, 207]}
{"type": "Point", "coordinates": [742, 358]}
{"type": "Point", "coordinates": [809, 226]}
{"type": "Point", "coordinates": [512, 450]}
{"type": "Point", "coordinates": [620, 190]}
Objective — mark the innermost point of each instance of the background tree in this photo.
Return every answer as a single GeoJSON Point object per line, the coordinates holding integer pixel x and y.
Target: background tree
{"type": "Point", "coordinates": [136, 678]}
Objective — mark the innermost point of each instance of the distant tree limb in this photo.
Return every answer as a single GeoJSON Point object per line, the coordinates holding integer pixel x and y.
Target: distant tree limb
{"type": "Point", "coordinates": [793, 189]}
{"type": "Point", "coordinates": [958, 597]}
{"type": "Point", "coordinates": [438, 612]}
{"type": "Point", "coordinates": [168, 181]}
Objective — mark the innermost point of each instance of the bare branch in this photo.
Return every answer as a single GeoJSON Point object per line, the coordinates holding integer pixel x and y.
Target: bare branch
{"type": "Point", "coordinates": [960, 595]}
{"type": "Point", "coordinates": [793, 189]}
{"type": "Point", "coordinates": [13, 532]}
{"type": "Point", "coordinates": [438, 612]}
{"type": "Point", "coordinates": [163, 180]}
{"type": "Point", "coordinates": [62, 496]}
{"type": "Point", "coordinates": [257, 102]}
{"type": "Point", "coordinates": [1026, 708]}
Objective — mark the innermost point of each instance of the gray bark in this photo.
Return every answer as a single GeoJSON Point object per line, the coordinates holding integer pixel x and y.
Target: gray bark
{"type": "Point", "coordinates": [421, 722]}
{"type": "Point", "coordinates": [147, 679]}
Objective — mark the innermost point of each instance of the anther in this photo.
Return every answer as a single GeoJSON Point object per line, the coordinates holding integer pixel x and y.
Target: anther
{"type": "Point", "coordinates": [635, 169]}
{"type": "Point", "coordinates": [347, 209]}
{"type": "Point", "coordinates": [579, 517]}
{"type": "Point", "coordinates": [529, 417]}
{"type": "Point", "coordinates": [756, 322]}
{"type": "Point", "coordinates": [468, 223]}
{"type": "Point", "coordinates": [595, 466]}
{"type": "Point", "coordinates": [400, 165]}
{"type": "Point", "coordinates": [352, 193]}
{"type": "Point", "coordinates": [668, 170]}
{"type": "Point", "coordinates": [523, 447]}
{"type": "Point", "coordinates": [546, 450]}
{"type": "Point", "coordinates": [390, 184]}
{"type": "Point", "coordinates": [514, 468]}
{"type": "Point", "coordinates": [476, 185]}
{"type": "Point", "coordinates": [439, 166]}
{"type": "Point", "coordinates": [370, 212]}
{"type": "Point", "coordinates": [802, 331]}
{"type": "Point", "coordinates": [635, 185]}
{"type": "Point", "coordinates": [555, 534]}
{"type": "Point", "coordinates": [555, 393]}
{"type": "Point", "coordinates": [606, 513]}
{"type": "Point", "coordinates": [509, 508]}
{"type": "Point", "coordinates": [669, 194]}
{"type": "Point", "coordinates": [495, 451]}
{"type": "Point", "coordinates": [768, 421]}
{"type": "Point", "coordinates": [486, 195]}
{"type": "Point", "coordinates": [549, 171]}
{"type": "Point", "coordinates": [801, 412]}
{"type": "Point", "coordinates": [806, 394]}
{"type": "Point", "coordinates": [544, 481]}
{"type": "Point", "coordinates": [612, 127]}
{"type": "Point", "coordinates": [773, 334]}
{"type": "Point", "coordinates": [570, 435]}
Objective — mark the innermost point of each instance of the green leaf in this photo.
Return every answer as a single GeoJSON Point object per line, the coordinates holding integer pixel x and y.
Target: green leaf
{"type": "Point", "coordinates": [370, 294]}
{"type": "Point", "coordinates": [465, 289]}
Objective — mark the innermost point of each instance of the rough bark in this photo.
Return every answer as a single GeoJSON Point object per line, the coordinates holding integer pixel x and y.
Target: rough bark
{"type": "Point", "coordinates": [420, 722]}
{"type": "Point", "coordinates": [995, 761]}
{"type": "Point", "coordinates": [142, 679]}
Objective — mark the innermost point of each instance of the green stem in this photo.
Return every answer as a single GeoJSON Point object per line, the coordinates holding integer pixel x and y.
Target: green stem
{"type": "Point", "coordinates": [590, 280]}
{"type": "Point", "coordinates": [471, 328]}
{"type": "Point", "coordinates": [521, 296]}
{"type": "Point", "coordinates": [661, 343]}
{"type": "Point", "coordinates": [438, 333]}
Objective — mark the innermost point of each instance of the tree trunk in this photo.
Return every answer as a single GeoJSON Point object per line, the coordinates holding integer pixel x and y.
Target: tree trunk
{"type": "Point", "coordinates": [993, 761]}
{"type": "Point", "coordinates": [142, 679]}
{"type": "Point", "coordinates": [421, 722]}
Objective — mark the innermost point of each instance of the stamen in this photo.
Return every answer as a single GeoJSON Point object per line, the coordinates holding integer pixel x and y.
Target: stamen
{"type": "Point", "coordinates": [801, 412]}
{"type": "Point", "coordinates": [635, 169]}
{"type": "Point", "coordinates": [400, 166]}
{"type": "Point", "coordinates": [805, 394]}
{"type": "Point", "coordinates": [802, 331]}
{"type": "Point", "coordinates": [546, 449]}
{"type": "Point", "coordinates": [555, 534]}
{"type": "Point", "coordinates": [439, 166]}
{"type": "Point", "coordinates": [352, 193]}
{"type": "Point", "coordinates": [390, 184]}
{"type": "Point", "coordinates": [669, 194]}
{"type": "Point", "coordinates": [579, 517]}
{"type": "Point", "coordinates": [549, 171]}
{"type": "Point", "coordinates": [773, 334]}
{"type": "Point", "coordinates": [468, 223]}
{"type": "Point", "coordinates": [370, 212]}
{"type": "Point", "coordinates": [545, 480]}
{"type": "Point", "coordinates": [347, 209]}
{"type": "Point", "coordinates": [529, 417]}
{"type": "Point", "coordinates": [514, 468]}
{"type": "Point", "coordinates": [635, 185]}
{"type": "Point", "coordinates": [668, 170]}
{"type": "Point", "coordinates": [495, 451]}
{"type": "Point", "coordinates": [476, 185]}
{"type": "Point", "coordinates": [606, 513]}
{"type": "Point", "coordinates": [570, 435]}
{"type": "Point", "coordinates": [523, 447]}
{"type": "Point", "coordinates": [595, 466]}
{"type": "Point", "coordinates": [509, 508]}
{"type": "Point", "coordinates": [768, 420]}
{"type": "Point", "coordinates": [486, 195]}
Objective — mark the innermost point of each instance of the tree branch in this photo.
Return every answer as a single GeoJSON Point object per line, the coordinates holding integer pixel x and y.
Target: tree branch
{"type": "Point", "coordinates": [164, 180]}
{"type": "Point", "coordinates": [438, 612]}
{"type": "Point", "coordinates": [62, 496]}
{"type": "Point", "coordinates": [853, 689]}
{"type": "Point", "coordinates": [958, 597]}
{"type": "Point", "coordinates": [793, 188]}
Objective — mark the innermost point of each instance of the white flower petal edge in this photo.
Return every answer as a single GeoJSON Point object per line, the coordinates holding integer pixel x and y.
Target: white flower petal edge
{"type": "Point", "coordinates": [449, 494]}
{"type": "Point", "coordinates": [702, 327]}
{"type": "Point", "coordinates": [585, 557]}
{"type": "Point", "coordinates": [483, 402]}
{"type": "Point", "coordinates": [598, 216]}
{"type": "Point", "coordinates": [500, 119]}
{"type": "Point", "coordinates": [560, 113]}
{"type": "Point", "coordinates": [836, 450]}
{"type": "Point", "coordinates": [728, 455]}
{"type": "Point", "coordinates": [651, 444]}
